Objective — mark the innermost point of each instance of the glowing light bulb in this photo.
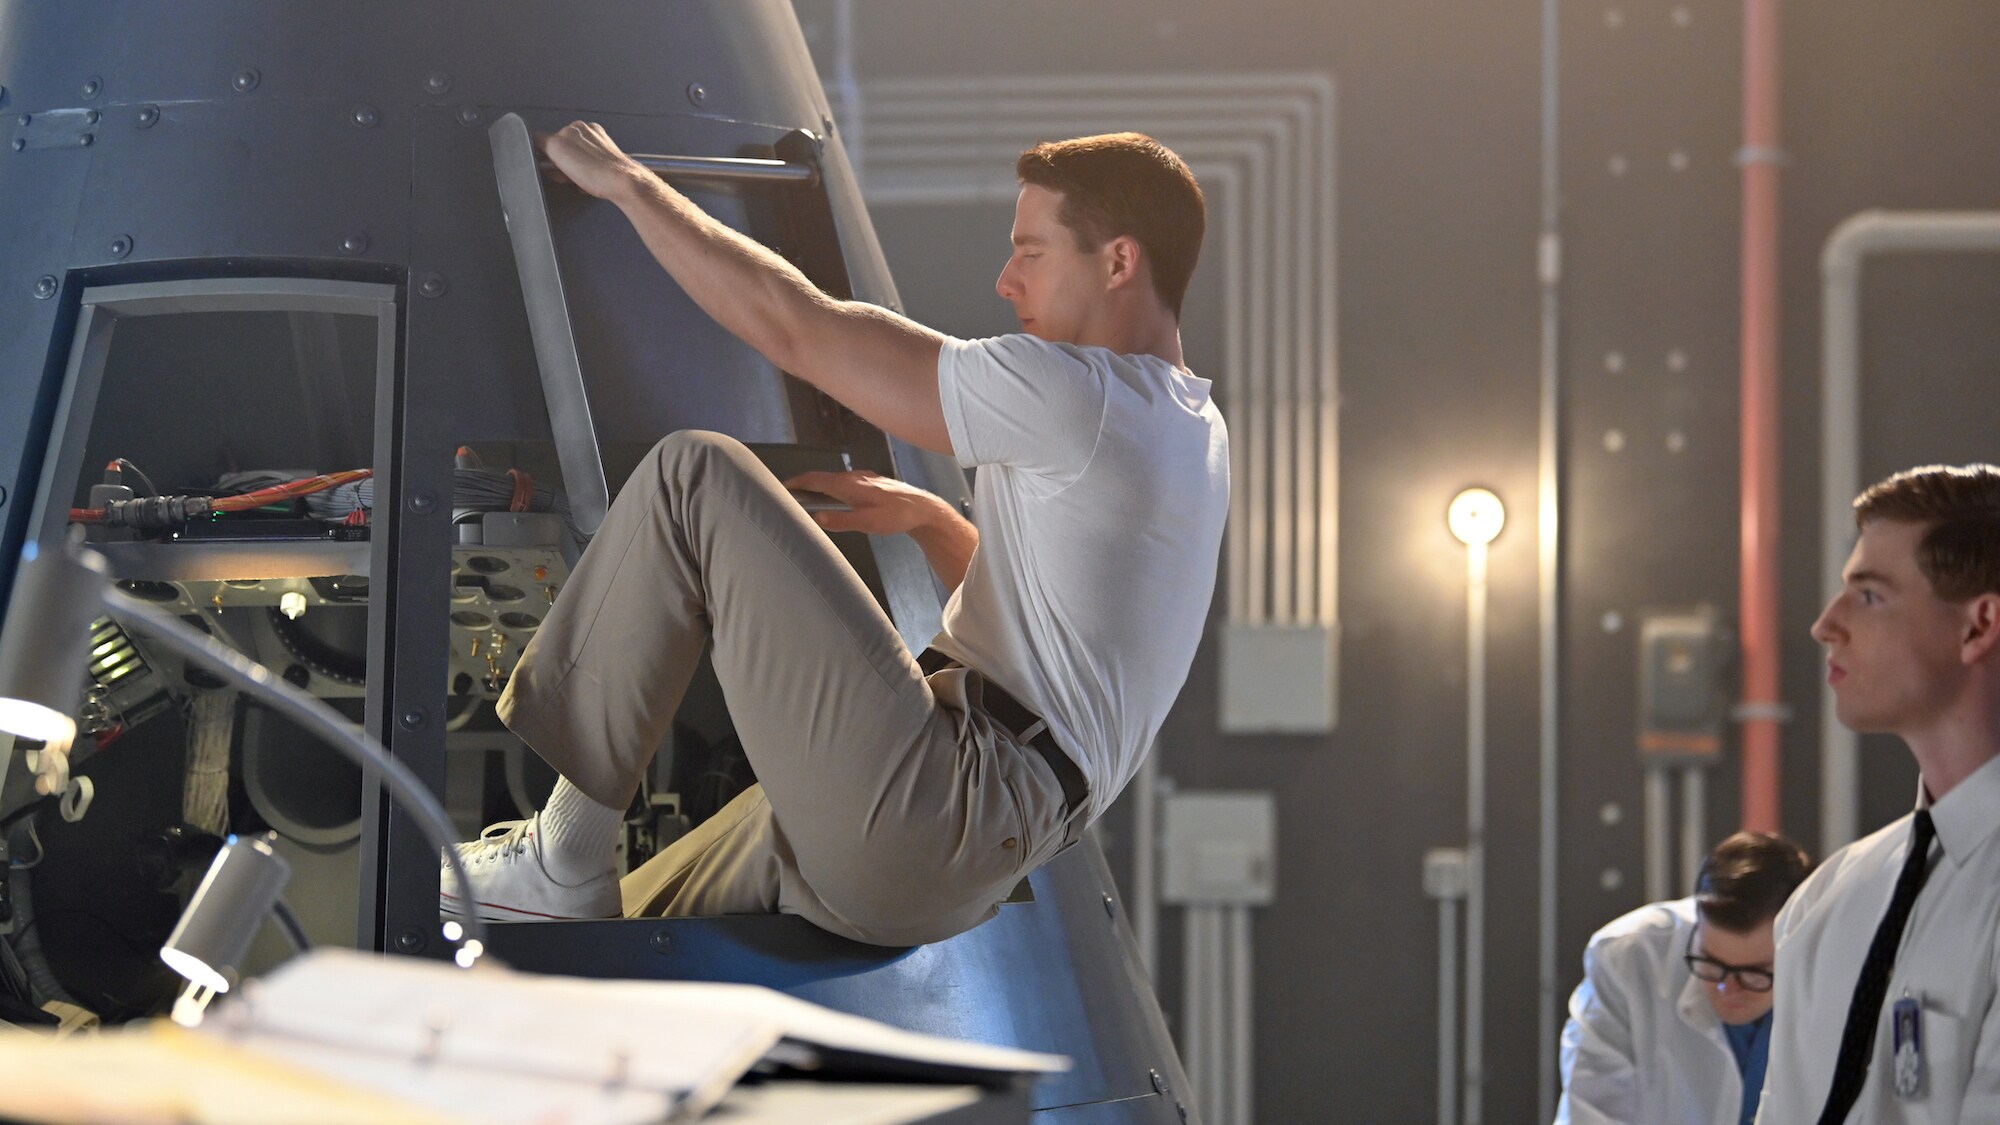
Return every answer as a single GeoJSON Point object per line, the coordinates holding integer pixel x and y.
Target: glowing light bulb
{"type": "Point", "coordinates": [1476, 516]}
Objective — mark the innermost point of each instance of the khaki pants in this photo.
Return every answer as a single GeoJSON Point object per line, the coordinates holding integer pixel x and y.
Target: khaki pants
{"type": "Point", "coordinates": [889, 808]}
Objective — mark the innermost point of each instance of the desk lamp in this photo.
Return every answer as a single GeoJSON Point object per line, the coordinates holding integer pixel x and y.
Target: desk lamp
{"type": "Point", "coordinates": [41, 674]}
{"type": "Point", "coordinates": [221, 919]}
{"type": "Point", "coordinates": [57, 593]}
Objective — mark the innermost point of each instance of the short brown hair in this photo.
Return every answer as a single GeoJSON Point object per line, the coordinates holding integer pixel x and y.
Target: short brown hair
{"type": "Point", "coordinates": [1747, 878]}
{"type": "Point", "coordinates": [1960, 549]}
{"type": "Point", "coordinates": [1126, 184]}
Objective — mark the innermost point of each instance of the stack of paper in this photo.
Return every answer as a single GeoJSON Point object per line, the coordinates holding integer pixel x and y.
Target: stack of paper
{"type": "Point", "coordinates": [496, 1045]}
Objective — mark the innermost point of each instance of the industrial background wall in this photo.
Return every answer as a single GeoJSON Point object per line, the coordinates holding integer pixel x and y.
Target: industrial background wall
{"type": "Point", "coordinates": [1439, 198]}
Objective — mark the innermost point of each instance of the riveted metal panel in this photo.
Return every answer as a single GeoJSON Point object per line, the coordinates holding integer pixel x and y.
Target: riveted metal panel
{"type": "Point", "coordinates": [222, 179]}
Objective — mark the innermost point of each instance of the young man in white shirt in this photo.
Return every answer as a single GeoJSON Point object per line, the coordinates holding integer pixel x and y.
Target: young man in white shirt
{"type": "Point", "coordinates": [1888, 954]}
{"type": "Point", "coordinates": [897, 803]}
{"type": "Point", "coordinates": [1672, 1021]}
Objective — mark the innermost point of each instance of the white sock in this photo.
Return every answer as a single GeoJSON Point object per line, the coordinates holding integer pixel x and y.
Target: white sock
{"type": "Point", "coordinates": [579, 836]}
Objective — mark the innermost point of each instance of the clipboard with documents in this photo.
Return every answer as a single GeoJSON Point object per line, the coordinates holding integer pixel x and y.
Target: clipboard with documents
{"type": "Point", "coordinates": [493, 1045]}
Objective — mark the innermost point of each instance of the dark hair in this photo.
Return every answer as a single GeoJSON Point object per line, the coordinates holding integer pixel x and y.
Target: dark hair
{"type": "Point", "coordinates": [1126, 184]}
{"type": "Point", "coordinates": [1747, 878]}
{"type": "Point", "coordinates": [1960, 549]}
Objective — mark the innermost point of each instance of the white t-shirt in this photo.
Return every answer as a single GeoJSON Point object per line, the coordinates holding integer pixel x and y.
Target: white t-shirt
{"type": "Point", "coordinates": [1102, 491]}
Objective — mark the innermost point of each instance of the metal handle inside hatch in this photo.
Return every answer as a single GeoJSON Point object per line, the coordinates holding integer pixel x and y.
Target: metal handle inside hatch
{"type": "Point", "coordinates": [527, 214]}
{"type": "Point", "coordinates": [526, 209]}
{"type": "Point", "coordinates": [735, 168]}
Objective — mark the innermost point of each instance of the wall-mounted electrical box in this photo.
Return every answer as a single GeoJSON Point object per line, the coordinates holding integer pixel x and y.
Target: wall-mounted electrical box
{"type": "Point", "coordinates": [1280, 679]}
{"type": "Point", "coordinates": [1219, 849]}
{"type": "Point", "coordinates": [1683, 696]}
{"type": "Point", "coordinates": [1447, 873]}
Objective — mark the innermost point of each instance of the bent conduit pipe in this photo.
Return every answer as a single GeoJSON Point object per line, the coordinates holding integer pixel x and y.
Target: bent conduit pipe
{"type": "Point", "coordinates": [1850, 245]}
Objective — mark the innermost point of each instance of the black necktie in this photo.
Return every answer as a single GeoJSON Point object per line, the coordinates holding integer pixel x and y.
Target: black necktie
{"type": "Point", "coordinates": [1857, 1042]}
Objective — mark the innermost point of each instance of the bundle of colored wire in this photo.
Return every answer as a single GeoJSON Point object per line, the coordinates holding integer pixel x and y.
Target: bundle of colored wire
{"type": "Point", "coordinates": [154, 513]}
{"type": "Point", "coordinates": [486, 490]}
{"type": "Point", "coordinates": [291, 490]}
{"type": "Point", "coordinates": [473, 491]}
{"type": "Point", "coordinates": [205, 790]}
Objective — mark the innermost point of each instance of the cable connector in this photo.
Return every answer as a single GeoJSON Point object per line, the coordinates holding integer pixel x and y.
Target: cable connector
{"type": "Point", "coordinates": [157, 513]}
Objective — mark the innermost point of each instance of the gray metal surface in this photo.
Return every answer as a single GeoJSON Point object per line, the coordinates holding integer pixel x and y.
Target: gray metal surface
{"type": "Point", "coordinates": [263, 150]}
{"type": "Point", "coordinates": [1057, 974]}
{"type": "Point", "coordinates": [779, 1102]}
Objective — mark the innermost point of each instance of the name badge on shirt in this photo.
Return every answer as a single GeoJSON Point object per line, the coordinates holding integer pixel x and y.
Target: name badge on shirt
{"type": "Point", "coordinates": [1907, 1022]}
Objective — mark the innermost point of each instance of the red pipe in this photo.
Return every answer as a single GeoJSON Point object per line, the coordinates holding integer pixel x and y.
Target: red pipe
{"type": "Point", "coordinates": [1761, 713]}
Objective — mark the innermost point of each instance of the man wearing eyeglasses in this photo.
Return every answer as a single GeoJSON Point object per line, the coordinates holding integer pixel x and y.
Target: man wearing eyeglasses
{"type": "Point", "coordinates": [1673, 1017]}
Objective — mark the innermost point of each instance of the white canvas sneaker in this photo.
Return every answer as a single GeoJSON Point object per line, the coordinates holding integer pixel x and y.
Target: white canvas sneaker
{"type": "Point", "coordinates": [509, 883]}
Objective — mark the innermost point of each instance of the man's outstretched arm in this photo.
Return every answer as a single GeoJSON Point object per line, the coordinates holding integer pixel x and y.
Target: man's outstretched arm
{"type": "Point", "coordinates": [878, 364]}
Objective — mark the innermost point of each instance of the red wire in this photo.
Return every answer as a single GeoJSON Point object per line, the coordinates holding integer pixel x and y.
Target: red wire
{"type": "Point", "coordinates": [524, 490]}
{"type": "Point", "coordinates": [290, 490]}
{"type": "Point", "coordinates": [93, 515]}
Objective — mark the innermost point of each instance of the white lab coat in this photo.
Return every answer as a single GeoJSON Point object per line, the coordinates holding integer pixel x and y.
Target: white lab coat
{"type": "Point", "coordinates": [1642, 1044]}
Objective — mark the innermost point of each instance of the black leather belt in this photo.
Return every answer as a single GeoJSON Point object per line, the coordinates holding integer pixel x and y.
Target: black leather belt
{"type": "Point", "coordinates": [1012, 714]}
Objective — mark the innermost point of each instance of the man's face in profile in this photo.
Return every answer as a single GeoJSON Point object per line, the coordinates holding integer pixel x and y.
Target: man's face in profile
{"type": "Point", "coordinates": [1053, 283]}
{"type": "Point", "coordinates": [1892, 644]}
{"type": "Point", "coordinates": [1740, 960]}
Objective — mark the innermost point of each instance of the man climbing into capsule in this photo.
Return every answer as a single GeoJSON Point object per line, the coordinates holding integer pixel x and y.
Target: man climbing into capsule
{"type": "Point", "coordinates": [900, 797]}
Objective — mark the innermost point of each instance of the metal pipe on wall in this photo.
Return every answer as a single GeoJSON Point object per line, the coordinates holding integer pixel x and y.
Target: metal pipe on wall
{"type": "Point", "coordinates": [1659, 833]}
{"type": "Point", "coordinates": [1675, 848]}
{"type": "Point", "coordinates": [1447, 1010]}
{"type": "Point", "coordinates": [1241, 1034]}
{"type": "Point", "coordinates": [1548, 566]}
{"type": "Point", "coordinates": [1145, 896]}
{"type": "Point", "coordinates": [852, 112]}
{"type": "Point", "coordinates": [1846, 249]}
{"type": "Point", "coordinates": [1217, 1032]}
{"type": "Point", "coordinates": [1193, 1036]}
{"type": "Point", "coordinates": [1326, 361]}
{"type": "Point", "coordinates": [1474, 1076]}
{"type": "Point", "coordinates": [1214, 1047]}
{"type": "Point", "coordinates": [1760, 527]}
{"type": "Point", "coordinates": [1694, 825]}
